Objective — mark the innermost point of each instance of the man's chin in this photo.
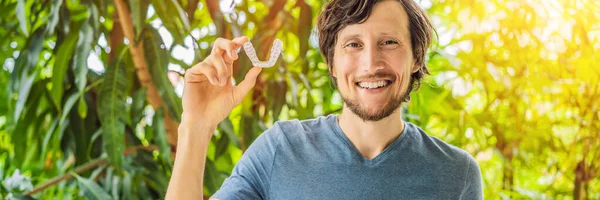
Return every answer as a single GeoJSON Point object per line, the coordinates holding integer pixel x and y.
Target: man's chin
{"type": "Point", "coordinates": [373, 114]}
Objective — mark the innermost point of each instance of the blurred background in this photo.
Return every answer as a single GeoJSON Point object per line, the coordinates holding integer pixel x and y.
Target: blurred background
{"type": "Point", "coordinates": [91, 91]}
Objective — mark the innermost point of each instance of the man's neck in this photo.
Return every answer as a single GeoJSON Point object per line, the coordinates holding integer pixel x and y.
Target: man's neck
{"type": "Point", "coordinates": [369, 137]}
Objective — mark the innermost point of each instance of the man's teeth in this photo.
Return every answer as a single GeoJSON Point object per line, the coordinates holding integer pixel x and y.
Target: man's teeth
{"type": "Point", "coordinates": [373, 85]}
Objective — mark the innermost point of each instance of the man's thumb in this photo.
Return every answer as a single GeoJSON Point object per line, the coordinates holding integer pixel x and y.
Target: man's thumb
{"type": "Point", "coordinates": [240, 91]}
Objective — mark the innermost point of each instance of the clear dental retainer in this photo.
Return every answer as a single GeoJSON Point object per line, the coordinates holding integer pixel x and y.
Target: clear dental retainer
{"type": "Point", "coordinates": [275, 51]}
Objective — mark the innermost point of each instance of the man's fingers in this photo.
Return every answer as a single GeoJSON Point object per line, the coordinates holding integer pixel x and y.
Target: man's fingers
{"type": "Point", "coordinates": [201, 69]}
{"type": "Point", "coordinates": [223, 54]}
{"type": "Point", "coordinates": [240, 91]}
{"type": "Point", "coordinates": [228, 48]}
{"type": "Point", "coordinates": [223, 71]}
{"type": "Point", "coordinates": [241, 40]}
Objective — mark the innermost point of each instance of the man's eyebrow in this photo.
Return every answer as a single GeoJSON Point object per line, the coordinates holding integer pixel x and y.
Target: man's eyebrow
{"type": "Point", "coordinates": [347, 37]}
{"type": "Point", "coordinates": [395, 34]}
{"type": "Point", "coordinates": [391, 33]}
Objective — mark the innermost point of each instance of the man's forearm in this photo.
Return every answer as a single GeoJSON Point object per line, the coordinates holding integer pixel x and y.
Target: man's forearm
{"type": "Point", "coordinates": [188, 171]}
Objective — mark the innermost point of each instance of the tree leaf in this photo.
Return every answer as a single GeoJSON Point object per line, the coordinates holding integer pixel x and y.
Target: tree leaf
{"type": "Point", "coordinates": [160, 135]}
{"type": "Point", "coordinates": [69, 103]}
{"type": "Point", "coordinates": [24, 90]}
{"type": "Point", "coordinates": [157, 59]}
{"type": "Point", "coordinates": [82, 107]}
{"type": "Point", "coordinates": [222, 145]}
{"type": "Point", "coordinates": [211, 177]}
{"type": "Point", "coordinates": [79, 134]}
{"type": "Point", "coordinates": [177, 25]}
{"type": "Point", "coordinates": [53, 16]}
{"type": "Point", "coordinates": [84, 46]}
{"type": "Point", "coordinates": [137, 105]}
{"type": "Point", "coordinates": [227, 127]}
{"type": "Point", "coordinates": [182, 16]}
{"type": "Point", "coordinates": [63, 56]}
{"type": "Point", "coordinates": [139, 9]}
{"type": "Point", "coordinates": [91, 189]}
{"type": "Point", "coordinates": [111, 111]}
{"type": "Point", "coordinates": [127, 189]}
{"type": "Point", "coordinates": [19, 197]}
{"type": "Point", "coordinates": [22, 16]}
{"type": "Point", "coordinates": [21, 79]}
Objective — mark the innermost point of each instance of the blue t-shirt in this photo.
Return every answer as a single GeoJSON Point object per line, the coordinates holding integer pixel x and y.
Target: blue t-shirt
{"type": "Point", "coordinates": [313, 159]}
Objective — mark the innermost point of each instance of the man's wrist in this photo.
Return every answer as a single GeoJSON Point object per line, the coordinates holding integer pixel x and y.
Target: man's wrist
{"type": "Point", "coordinates": [196, 130]}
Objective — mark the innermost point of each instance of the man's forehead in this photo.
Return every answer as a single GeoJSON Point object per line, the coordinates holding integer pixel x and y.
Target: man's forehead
{"type": "Point", "coordinates": [387, 18]}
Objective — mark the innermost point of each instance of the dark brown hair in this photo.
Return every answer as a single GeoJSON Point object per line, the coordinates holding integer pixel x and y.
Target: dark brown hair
{"type": "Point", "coordinates": [338, 14]}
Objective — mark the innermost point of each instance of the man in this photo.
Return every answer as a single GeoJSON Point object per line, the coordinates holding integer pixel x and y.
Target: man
{"type": "Point", "coordinates": [375, 51]}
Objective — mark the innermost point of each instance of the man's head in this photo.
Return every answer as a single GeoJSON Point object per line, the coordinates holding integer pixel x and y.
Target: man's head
{"type": "Point", "coordinates": [375, 50]}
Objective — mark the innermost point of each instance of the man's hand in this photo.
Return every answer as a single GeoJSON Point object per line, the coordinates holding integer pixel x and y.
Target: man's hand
{"type": "Point", "coordinates": [209, 95]}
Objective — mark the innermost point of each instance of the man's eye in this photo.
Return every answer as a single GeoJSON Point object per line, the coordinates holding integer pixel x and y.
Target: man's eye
{"type": "Point", "coordinates": [353, 45]}
{"type": "Point", "coordinates": [390, 42]}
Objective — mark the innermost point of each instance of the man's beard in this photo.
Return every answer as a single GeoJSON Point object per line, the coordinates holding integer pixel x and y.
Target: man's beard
{"type": "Point", "coordinates": [365, 115]}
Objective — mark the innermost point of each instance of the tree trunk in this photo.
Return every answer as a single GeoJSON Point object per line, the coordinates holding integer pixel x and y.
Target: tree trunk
{"type": "Point", "coordinates": [508, 172]}
{"type": "Point", "coordinates": [141, 69]}
{"type": "Point", "coordinates": [578, 192]}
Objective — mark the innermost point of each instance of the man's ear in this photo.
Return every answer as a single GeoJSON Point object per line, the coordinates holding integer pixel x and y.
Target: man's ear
{"type": "Point", "coordinates": [416, 67]}
{"type": "Point", "coordinates": [332, 70]}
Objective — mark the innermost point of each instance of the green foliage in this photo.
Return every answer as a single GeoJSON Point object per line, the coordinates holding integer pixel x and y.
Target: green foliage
{"type": "Point", "coordinates": [514, 83]}
{"type": "Point", "coordinates": [111, 104]}
{"type": "Point", "coordinates": [91, 189]}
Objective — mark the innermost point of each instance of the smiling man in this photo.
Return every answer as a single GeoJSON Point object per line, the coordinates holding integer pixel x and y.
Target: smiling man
{"type": "Point", "coordinates": [375, 51]}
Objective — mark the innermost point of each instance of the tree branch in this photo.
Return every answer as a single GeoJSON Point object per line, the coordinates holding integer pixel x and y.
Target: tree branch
{"type": "Point", "coordinates": [90, 165]}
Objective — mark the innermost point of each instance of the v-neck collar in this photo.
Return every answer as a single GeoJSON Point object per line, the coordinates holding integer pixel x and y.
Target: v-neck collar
{"type": "Point", "coordinates": [362, 159]}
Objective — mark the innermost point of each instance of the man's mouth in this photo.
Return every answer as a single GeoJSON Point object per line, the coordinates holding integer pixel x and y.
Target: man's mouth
{"type": "Point", "coordinates": [372, 85]}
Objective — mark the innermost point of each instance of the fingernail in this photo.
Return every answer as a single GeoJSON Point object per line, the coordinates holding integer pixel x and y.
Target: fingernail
{"type": "Point", "coordinates": [234, 54]}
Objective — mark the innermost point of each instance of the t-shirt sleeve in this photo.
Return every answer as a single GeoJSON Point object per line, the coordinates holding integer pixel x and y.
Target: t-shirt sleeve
{"type": "Point", "coordinates": [473, 188]}
{"type": "Point", "coordinates": [251, 176]}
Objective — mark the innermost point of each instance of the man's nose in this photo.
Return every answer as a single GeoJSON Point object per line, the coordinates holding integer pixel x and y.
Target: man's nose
{"type": "Point", "coordinates": [372, 59]}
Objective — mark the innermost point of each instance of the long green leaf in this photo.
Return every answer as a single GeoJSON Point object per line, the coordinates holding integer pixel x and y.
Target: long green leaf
{"type": "Point", "coordinates": [222, 145]}
{"type": "Point", "coordinates": [69, 103]}
{"type": "Point", "coordinates": [63, 56]}
{"type": "Point", "coordinates": [24, 90]}
{"type": "Point", "coordinates": [80, 67]}
{"type": "Point", "coordinates": [128, 192]}
{"type": "Point", "coordinates": [160, 135]}
{"type": "Point", "coordinates": [211, 177]}
{"type": "Point", "coordinates": [181, 15]}
{"type": "Point", "coordinates": [91, 190]}
{"type": "Point", "coordinates": [54, 16]}
{"type": "Point", "coordinates": [139, 9]}
{"type": "Point", "coordinates": [177, 25]}
{"type": "Point", "coordinates": [137, 106]}
{"type": "Point", "coordinates": [84, 46]}
{"type": "Point", "coordinates": [21, 79]}
{"type": "Point", "coordinates": [82, 107]}
{"type": "Point", "coordinates": [111, 111]}
{"type": "Point", "coordinates": [22, 17]}
{"type": "Point", "coordinates": [157, 59]}
{"type": "Point", "coordinates": [20, 197]}
{"type": "Point", "coordinates": [227, 127]}
{"type": "Point", "coordinates": [80, 137]}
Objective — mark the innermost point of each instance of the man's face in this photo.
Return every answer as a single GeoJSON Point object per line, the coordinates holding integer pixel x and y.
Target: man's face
{"type": "Point", "coordinates": [373, 62]}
